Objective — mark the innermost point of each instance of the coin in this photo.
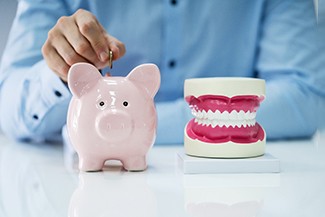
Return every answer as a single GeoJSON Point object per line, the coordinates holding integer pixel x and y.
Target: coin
{"type": "Point", "coordinates": [110, 61]}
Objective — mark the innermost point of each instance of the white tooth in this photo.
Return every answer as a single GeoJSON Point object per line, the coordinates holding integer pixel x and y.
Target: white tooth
{"type": "Point", "coordinates": [210, 115]}
{"type": "Point", "coordinates": [214, 123]}
{"type": "Point", "coordinates": [241, 115]}
{"type": "Point", "coordinates": [205, 122]}
{"type": "Point", "coordinates": [200, 114]}
{"type": "Point", "coordinates": [244, 123]}
{"type": "Point", "coordinates": [197, 114]}
{"type": "Point", "coordinates": [204, 114]}
{"type": "Point", "coordinates": [238, 124]}
{"type": "Point", "coordinates": [233, 115]}
{"type": "Point", "coordinates": [217, 114]}
{"type": "Point", "coordinates": [224, 115]}
{"type": "Point", "coordinates": [247, 115]}
{"type": "Point", "coordinates": [227, 124]}
{"type": "Point", "coordinates": [194, 113]}
{"type": "Point", "coordinates": [195, 120]}
{"type": "Point", "coordinates": [253, 115]}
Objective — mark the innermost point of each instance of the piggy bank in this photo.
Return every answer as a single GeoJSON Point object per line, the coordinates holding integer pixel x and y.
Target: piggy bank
{"type": "Point", "coordinates": [112, 118]}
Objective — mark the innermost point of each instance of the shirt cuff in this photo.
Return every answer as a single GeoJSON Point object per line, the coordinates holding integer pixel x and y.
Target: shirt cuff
{"type": "Point", "coordinates": [56, 90]}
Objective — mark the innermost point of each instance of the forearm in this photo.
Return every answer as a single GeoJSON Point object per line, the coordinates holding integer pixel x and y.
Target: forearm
{"type": "Point", "coordinates": [291, 61]}
{"type": "Point", "coordinates": [291, 109]}
{"type": "Point", "coordinates": [33, 100]}
{"type": "Point", "coordinates": [33, 103]}
{"type": "Point", "coordinates": [172, 118]}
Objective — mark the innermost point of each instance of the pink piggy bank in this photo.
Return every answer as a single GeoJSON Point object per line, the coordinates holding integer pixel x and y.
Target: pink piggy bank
{"type": "Point", "coordinates": [112, 118]}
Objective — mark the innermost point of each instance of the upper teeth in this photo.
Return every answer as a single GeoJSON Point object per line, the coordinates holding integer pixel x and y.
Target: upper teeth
{"type": "Point", "coordinates": [225, 118]}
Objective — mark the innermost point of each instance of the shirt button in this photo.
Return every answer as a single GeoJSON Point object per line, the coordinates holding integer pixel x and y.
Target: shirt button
{"type": "Point", "coordinates": [35, 117]}
{"type": "Point", "coordinates": [173, 2]}
{"type": "Point", "coordinates": [172, 63]}
{"type": "Point", "coordinates": [57, 93]}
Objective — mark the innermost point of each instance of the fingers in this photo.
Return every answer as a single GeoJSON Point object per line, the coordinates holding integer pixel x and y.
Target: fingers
{"type": "Point", "coordinates": [92, 31]}
{"type": "Point", "coordinates": [56, 62]}
{"type": "Point", "coordinates": [80, 46]}
{"type": "Point", "coordinates": [52, 57]}
{"type": "Point", "coordinates": [116, 46]}
{"type": "Point", "coordinates": [100, 41]}
{"type": "Point", "coordinates": [79, 38]}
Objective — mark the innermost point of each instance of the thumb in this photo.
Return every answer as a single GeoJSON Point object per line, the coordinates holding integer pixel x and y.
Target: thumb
{"type": "Point", "coordinates": [116, 46]}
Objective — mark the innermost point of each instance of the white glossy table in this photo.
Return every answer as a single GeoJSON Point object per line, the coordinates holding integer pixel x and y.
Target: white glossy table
{"type": "Point", "coordinates": [34, 181]}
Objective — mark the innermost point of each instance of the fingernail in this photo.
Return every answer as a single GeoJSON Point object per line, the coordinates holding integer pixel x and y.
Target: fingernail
{"type": "Point", "coordinates": [103, 56]}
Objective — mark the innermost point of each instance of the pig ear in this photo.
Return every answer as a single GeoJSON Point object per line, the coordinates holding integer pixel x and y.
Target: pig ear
{"type": "Point", "coordinates": [82, 77]}
{"type": "Point", "coordinates": [146, 76]}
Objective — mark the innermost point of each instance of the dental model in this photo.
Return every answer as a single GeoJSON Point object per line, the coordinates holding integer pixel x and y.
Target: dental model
{"type": "Point", "coordinates": [224, 124]}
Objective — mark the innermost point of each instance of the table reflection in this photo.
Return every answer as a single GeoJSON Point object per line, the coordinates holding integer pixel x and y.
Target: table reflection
{"type": "Point", "coordinates": [229, 195]}
{"type": "Point", "coordinates": [112, 194]}
{"type": "Point", "coordinates": [33, 181]}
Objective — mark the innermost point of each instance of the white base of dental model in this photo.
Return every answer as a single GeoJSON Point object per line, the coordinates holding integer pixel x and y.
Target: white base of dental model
{"type": "Point", "coordinates": [199, 165]}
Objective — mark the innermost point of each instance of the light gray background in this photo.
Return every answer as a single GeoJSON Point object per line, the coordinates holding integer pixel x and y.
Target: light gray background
{"type": "Point", "coordinates": [7, 13]}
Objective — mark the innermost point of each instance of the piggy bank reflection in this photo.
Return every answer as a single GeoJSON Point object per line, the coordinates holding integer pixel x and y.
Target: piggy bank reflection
{"type": "Point", "coordinates": [112, 118]}
{"type": "Point", "coordinates": [112, 194]}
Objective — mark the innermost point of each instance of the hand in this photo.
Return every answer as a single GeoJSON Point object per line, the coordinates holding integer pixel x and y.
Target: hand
{"type": "Point", "coordinates": [79, 38]}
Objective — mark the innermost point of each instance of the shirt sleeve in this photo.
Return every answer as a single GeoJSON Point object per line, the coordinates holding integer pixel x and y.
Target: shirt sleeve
{"type": "Point", "coordinates": [33, 100]}
{"type": "Point", "coordinates": [291, 60]}
{"type": "Point", "coordinates": [172, 118]}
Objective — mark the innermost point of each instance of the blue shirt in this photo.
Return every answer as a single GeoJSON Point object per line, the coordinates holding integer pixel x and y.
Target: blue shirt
{"type": "Point", "coordinates": [278, 41]}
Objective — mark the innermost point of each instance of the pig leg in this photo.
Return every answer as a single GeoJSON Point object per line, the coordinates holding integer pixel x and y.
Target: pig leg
{"type": "Point", "coordinates": [135, 163]}
{"type": "Point", "coordinates": [90, 164]}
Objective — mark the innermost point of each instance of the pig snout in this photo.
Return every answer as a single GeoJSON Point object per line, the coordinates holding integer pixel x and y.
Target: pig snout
{"type": "Point", "coordinates": [114, 126]}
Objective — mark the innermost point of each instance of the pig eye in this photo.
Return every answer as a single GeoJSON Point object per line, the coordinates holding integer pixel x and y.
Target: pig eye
{"type": "Point", "coordinates": [101, 103]}
{"type": "Point", "coordinates": [125, 103]}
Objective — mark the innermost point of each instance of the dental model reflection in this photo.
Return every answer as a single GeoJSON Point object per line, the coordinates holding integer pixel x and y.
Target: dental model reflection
{"type": "Point", "coordinates": [224, 123]}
